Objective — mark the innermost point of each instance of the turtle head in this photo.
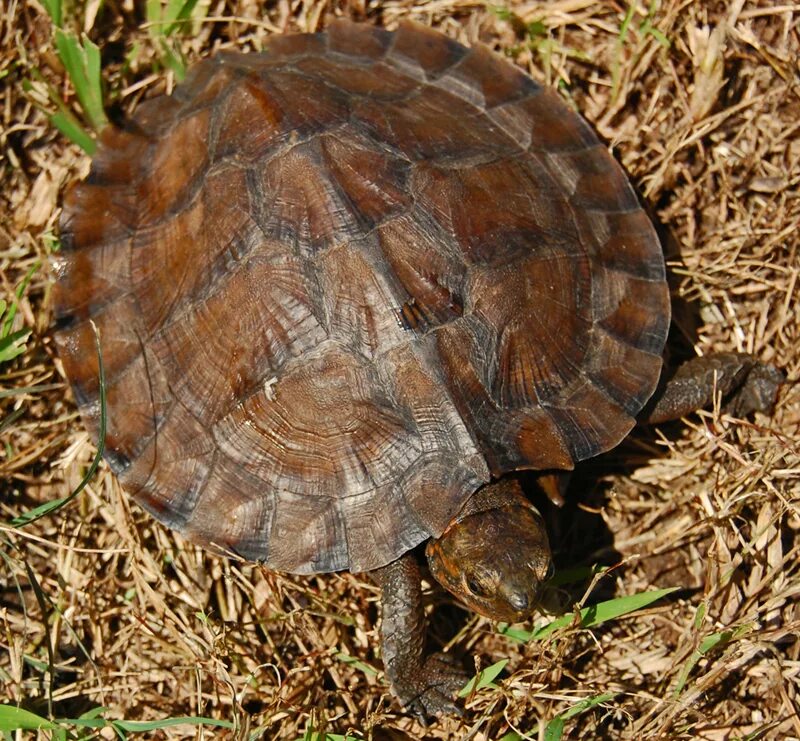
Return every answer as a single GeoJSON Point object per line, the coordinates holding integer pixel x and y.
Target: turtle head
{"type": "Point", "coordinates": [494, 556]}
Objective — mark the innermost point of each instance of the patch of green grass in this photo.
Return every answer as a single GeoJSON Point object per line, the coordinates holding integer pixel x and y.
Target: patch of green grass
{"type": "Point", "coordinates": [539, 38]}
{"type": "Point", "coordinates": [165, 20]}
{"type": "Point", "coordinates": [356, 664]}
{"type": "Point", "coordinates": [89, 724]}
{"type": "Point", "coordinates": [83, 65]}
{"type": "Point", "coordinates": [645, 28]}
{"type": "Point", "coordinates": [586, 617]}
{"type": "Point", "coordinates": [82, 61]}
{"type": "Point", "coordinates": [555, 728]}
{"type": "Point", "coordinates": [708, 644]}
{"type": "Point", "coordinates": [12, 343]}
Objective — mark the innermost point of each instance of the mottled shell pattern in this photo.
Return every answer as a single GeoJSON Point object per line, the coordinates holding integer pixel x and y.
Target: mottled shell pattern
{"type": "Point", "coordinates": [342, 283]}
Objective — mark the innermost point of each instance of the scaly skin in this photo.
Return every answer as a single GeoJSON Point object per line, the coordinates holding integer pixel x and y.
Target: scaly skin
{"type": "Point", "coordinates": [424, 686]}
{"type": "Point", "coordinates": [746, 386]}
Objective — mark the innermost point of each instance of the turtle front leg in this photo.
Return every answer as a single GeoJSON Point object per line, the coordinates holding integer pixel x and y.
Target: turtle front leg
{"type": "Point", "coordinates": [424, 686]}
{"type": "Point", "coordinates": [746, 385]}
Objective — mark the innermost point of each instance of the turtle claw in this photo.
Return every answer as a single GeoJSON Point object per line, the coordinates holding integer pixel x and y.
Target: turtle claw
{"type": "Point", "coordinates": [432, 692]}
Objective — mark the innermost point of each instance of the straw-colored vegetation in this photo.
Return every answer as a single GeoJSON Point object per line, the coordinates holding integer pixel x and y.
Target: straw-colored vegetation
{"type": "Point", "coordinates": [102, 608]}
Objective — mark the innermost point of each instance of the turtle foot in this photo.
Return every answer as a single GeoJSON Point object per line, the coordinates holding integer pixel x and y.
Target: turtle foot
{"type": "Point", "coordinates": [433, 690]}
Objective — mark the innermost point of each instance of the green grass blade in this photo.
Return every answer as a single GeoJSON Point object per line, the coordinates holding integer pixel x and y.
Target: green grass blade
{"type": "Point", "coordinates": [13, 718]}
{"type": "Point", "coordinates": [709, 643]}
{"type": "Point", "coordinates": [484, 678]}
{"type": "Point", "coordinates": [63, 119]}
{"type": "Point", "coordinates": [54, 10]}
{"type": "Point", "coordinates": [13, 345]}
{"type": "Point", "coordinates": [588, 703]}
{"type": "Point", "coordinates": [177, 13]}
{"type": "Point", "coordinates": [93, 74]}
{"type": "Point", "coordinates": [152, 13]}
{"type": "Point", "coordinates": [555, 728]}
{"type": "Point", "coordinates": [8, 313]}
{"type": "Point", "coordinates": [626, 22]}
{"type": "Point", "coordinates": [11, 418]}
{"type": "Point", "coordinates": [141, 726]}
{"type": "Point", "coordinates": [70, 127]}
{"type": "Point", "coordinates": [43, 509]}
{"type": "Point", "coordinates": [172, 60]}
{"type": "Point", "coordinates": [19, 390]}
{"type": "Point", "coordinates": [83, 65]}
{"type": "Point", "coordinates": [592, 615]}
{"type": "Point", "coordinates": [356, 663]}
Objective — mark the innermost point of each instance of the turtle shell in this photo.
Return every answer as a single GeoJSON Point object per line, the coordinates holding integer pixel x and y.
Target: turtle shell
{"type": "Point", "coordinates": [342, 283]}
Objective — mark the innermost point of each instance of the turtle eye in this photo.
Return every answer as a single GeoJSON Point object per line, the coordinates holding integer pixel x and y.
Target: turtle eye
{"type": "Point", "coordinates": [475, 587]}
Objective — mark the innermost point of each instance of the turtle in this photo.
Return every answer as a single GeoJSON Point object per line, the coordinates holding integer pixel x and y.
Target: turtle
{"type": "Point", "coordinates": [345, 289]}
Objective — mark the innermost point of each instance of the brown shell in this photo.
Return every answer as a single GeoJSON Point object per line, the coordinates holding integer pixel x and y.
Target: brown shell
{"type": "Point", "coordinates": [342, 283]}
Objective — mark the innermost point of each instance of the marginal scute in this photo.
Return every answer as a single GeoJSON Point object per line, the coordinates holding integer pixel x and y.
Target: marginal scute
{"type": "Point", "coordinates": [248, 502]}
{"type": "Point", "coordinates": [119, 157]}
{"type": "Point", "coordinates": [143, 390]}
{"type": "Point", "coordinates": [625, 372]}
{"type": "Point", "coordinates": [283, 47]}
{"type": "Point", "coordinates": [358, 40]}
{"type": "Point", "coordinates": [593, 179]}
{"type": "Point", "coordinates": [628, 308]}
{"type": "Point", "coordinates": [539, 443]}
{"type": "Point", "coordinates": [97, 213]}
{"type": "Point", "coordinates": [121, 344]}
{"type": "Point", "coordinates": [586, 416]}
{"type": "Point", "coordinates": [172, 469]}
{"type": "Point", "coordinates": [623, 242]}
{"type": "Point", "coordinates": [497, 82]}
{"type": "Point", "coordinates": [420, 45]}
{"type": "Point", "coordinates": [343, 283]}
{"type": "Point", "coordinates": [175, 166]}
{"type": "Point", "coordinates": [251, 122]}
{"type": "Point", "coordinates": [90, 279]}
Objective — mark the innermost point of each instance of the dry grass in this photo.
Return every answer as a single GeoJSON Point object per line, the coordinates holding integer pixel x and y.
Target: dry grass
{"type": "Point", "coordinates": [133, 619]}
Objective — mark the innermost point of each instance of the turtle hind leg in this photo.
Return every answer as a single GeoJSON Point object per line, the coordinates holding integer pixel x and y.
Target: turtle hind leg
{"type": "Point", "coordinates": [746, 386]}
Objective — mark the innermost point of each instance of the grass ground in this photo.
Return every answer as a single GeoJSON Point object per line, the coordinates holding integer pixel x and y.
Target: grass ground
{"type": "Point", "coordinates": [103, 608]}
